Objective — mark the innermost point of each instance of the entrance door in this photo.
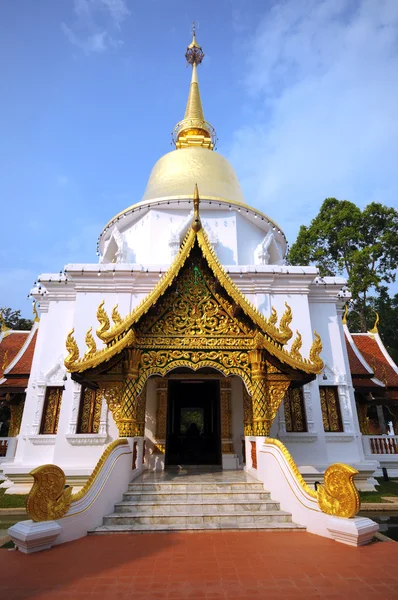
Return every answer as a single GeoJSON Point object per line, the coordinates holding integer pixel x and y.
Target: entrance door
{"type": "Point", "coordinates": [193, 422]}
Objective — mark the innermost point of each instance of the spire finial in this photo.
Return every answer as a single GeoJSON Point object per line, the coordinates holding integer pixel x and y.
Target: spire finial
{"type": "Point", "coordinates": [35, 313]}
{"type": "Point", "coordinates": [196, 224]}
{"type": "Point", "coordinates": [194, 130]}
{"type": "Point", "coordinates": [375, 329]}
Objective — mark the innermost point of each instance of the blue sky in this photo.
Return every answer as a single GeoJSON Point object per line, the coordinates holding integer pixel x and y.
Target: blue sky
{"type": "Point", "coordinates": [303, 95]}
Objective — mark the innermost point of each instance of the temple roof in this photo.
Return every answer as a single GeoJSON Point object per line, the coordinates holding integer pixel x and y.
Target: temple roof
{"type": "Point", "coordinates": [10, 344]}
{"type": "Point", "coordinates": [15, 376]}
{"type": "Point", "coordinates": [268, 336]}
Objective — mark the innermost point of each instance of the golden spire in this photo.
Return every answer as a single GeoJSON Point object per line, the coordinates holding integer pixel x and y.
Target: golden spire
{"type": "Point", "coordinates": [375, 329]}
{"type": "Point", "coordinates": [194, 130]}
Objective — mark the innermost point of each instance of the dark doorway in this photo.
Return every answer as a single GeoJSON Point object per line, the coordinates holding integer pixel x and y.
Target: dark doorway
{"type": "Point", "coordinates": [193, 422]}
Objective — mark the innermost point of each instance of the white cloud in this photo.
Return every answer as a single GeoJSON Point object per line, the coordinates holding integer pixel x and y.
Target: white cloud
{"type": "Point", "coordinates": [322, 83]}
{"type": "Point", "coordinates": [97, 25]}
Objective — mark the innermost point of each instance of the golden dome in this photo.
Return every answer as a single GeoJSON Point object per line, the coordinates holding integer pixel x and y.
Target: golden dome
{"type": "Point", "coordinates": [176, 173]}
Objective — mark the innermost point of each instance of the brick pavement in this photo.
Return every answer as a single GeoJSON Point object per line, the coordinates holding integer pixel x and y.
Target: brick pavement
{"type": "Point", "coordinates": [212, 565]}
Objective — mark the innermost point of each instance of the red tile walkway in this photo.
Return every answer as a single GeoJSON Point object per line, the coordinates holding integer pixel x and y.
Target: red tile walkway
{"type": "Point", "coordinates": [211, 565]}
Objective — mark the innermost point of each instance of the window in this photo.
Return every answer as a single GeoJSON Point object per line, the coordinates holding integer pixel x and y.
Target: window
{"type": "Point", "coordinates": [294, 410]}
{"type": "Point", "coordinates": [330, 405]}
{"type": "Point", "coordinates": [90, 411]}
{"type": "Point", "coordinates": [52, 405]}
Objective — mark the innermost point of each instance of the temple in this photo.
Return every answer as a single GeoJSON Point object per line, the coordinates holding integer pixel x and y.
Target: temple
{"type": "Point", "coordinates": [192, 338]}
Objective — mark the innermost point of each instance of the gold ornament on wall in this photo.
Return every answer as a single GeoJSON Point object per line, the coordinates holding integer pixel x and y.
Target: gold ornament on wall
{"type": "Point", "coordinates": [315, 352]}
{"type": "Point", "coordinates": [48, 499]}
{"type": "Point", "coordinates": [116, 318]}
{"type": "Point", "coordinates": [296, 346]}
{"type": "Point", "coordinates": [103, 320]}
{"type": "Point", "coordinates": [284, 323]}
{"type": "Point", "coordinates": [72, 349]}
{"type": "Point", "coordinates": [91, 345]}
{"type": "Point", "coordinates": [273, 319]}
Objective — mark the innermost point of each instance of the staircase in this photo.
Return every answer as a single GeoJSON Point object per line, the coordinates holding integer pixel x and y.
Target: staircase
{"type": "Point", "coordinates": [189, 500]}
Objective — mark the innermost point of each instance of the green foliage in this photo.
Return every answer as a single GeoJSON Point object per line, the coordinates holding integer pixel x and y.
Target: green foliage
{"type": "Point", "coordinates": [13, 319]}
{"type": "Point", "coordinates": [384, 488]}
{"type": "Point", "coordinates": [363, 245]}
{"type": "Point", "coordinates": [12, 500]}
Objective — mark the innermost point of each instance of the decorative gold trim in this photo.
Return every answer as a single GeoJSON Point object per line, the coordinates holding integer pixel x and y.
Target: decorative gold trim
{"type": "Point", "coordinates": [90, 481]}
{"type": "Point", "coordinates": [116, 318]}
{"type": "Point", "coordinates": [73, 350]}
{"type": "Point", "coordinates": [375, 328]}
{"type": "Point", "coordinates": [101, 355]}
{"type": "Point", "coordinates": [91, 345]}
{"type": "Point", "coordinates": [103, 321]}
{"type": "Point", "coordinates": [338, 495]}
{"type": "Point", "coordinates": [35, 313]}
{"type": "Point", "coordinates": [345, 314]}
{"type": "Point", "coordinates": [48, 499]}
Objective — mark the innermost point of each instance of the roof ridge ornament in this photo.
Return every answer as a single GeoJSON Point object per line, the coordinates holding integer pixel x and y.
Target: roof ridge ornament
{"type": "Point", "coordinates": [196, 223]}
{"type": "Point", "coordinates": [375, 328]}
{"type": "Point", "coordinates": [345, 314]}
{"type": "Point", "coordinates": [194, 130]}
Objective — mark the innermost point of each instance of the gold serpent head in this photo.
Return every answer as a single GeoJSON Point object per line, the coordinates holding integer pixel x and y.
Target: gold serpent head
{"type": "Point", "coordinates": [345, 314]}
{"type": "Point", "coordinates": [116, 318]}
{"type": "Point", "coordinates": [338, 495]}
{"type": "Point", "coordinates": [91, 345]}
{"type": "Point", "coordinates": [285, 321]}
{"type": "Point", "coordinates": [315, 352]}
{"type": "Point", "coordinates": [296, 346]}
{"type": "Point", "coordinates": [72, 349]}
{"type": "Point", "coordinates": [48, 499]}
{"type": "Point", "coordinates": [35, 313]}
{"type": "Point", "coordinates": [103, 320]}
{"type": "Point", "coordinates": [273, 317]}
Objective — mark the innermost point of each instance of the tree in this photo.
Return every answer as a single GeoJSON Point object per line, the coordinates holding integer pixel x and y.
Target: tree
{"type": "Point", "coordinates": [363, 245]}
{"type": "Point", "coordinates": [13, 319]}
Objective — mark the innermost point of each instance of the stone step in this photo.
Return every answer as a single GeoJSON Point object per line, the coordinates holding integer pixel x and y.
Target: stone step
{"type": "Point", "coordinates": [195, 496]}
{"type": "Point", "coordinates": [280, 527]}
{"type": "Point", "coordinates": [230, 519]}
{"type": "Point", "coordinates": [221, 488]}
{"type": "Point", "coordinates": [196, 507]}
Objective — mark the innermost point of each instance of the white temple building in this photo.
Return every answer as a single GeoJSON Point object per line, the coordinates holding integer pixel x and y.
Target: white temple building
{"type": "Point", "coordinates": [207, 401]}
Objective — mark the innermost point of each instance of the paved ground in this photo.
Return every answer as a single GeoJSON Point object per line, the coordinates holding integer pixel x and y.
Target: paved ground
{"type": "Point", "coordinates": [211, 565]}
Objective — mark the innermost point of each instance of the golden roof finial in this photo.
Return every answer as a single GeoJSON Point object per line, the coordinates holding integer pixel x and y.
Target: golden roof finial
{"type": "Point", "coordinates": [345, 314]}
{"type": "Point", "coordinates": [375, 329]}
{"type": "Point", "coordinates": [4, 327]}
{"type": "Point", "coordinates": [196, 224]}
{"type": "Point", "coordinates": [194, 130]}
{"type": "Point", "coordinates": [35, 313]}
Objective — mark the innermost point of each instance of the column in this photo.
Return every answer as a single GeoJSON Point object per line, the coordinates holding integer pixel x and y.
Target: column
{"type": "Point", "coordinates": [131, 417]}
{"type": "Point", "coordinates": [226, 417]}
{"type": "Point", "coordinates": [161, 415]}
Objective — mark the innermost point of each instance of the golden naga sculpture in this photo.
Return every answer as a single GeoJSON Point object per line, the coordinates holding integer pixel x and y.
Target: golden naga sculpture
{"type": "Point", "coordinates": [338, 495]}
{"type": "Point", "coordinates": [103, 320]}
{"type": "Point", "coordinates": [273, 317]}
{"type": "Point", "coordinates": [315, 352]}
{"type": "Point", "coordinates": [35, 313]}
{"type": "Point", "coordinates": [48, 499]}
{"type": "Point", "coordinates": [296, 346]}
{"type": "Point", "coordinates": [345, 314]}
{"type": "Point", "coordinates": [284, 323]}
{"type": "Point", "coordinates": [72, 348]}
{"type": "Point", "coordinates": [91, 345]}
{"type": "Point", "coordinates": [375, 328]}
{"type": "Point", "coordinates": [116, 318]}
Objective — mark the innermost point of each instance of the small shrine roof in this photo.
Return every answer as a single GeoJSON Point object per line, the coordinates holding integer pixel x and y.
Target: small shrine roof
{"type": "Point", "coordinates": [10, 344]}
{"type": "Point", "coordinates": [376, 355]}
{"type": "Point", "coordinates": [16, 373]}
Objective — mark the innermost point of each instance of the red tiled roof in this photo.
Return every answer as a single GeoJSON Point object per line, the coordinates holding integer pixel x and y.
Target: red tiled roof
{"type": "Point", "coordinates": [369, 347]}
{"type": "Point", "coordinates": [14, 382]}
{"type": "Point", "coordinates": [356, 367]}
{"type": "Point", "coordinates": [24, 364]}
{"type": "Point", "coordinates": [10, 345]}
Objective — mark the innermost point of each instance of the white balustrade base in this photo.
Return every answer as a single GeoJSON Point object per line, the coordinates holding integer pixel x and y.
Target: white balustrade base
{"type": "Point", "coordinates": [353, 532]}
{"type": "Point", "coordinates": [29, 536]}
